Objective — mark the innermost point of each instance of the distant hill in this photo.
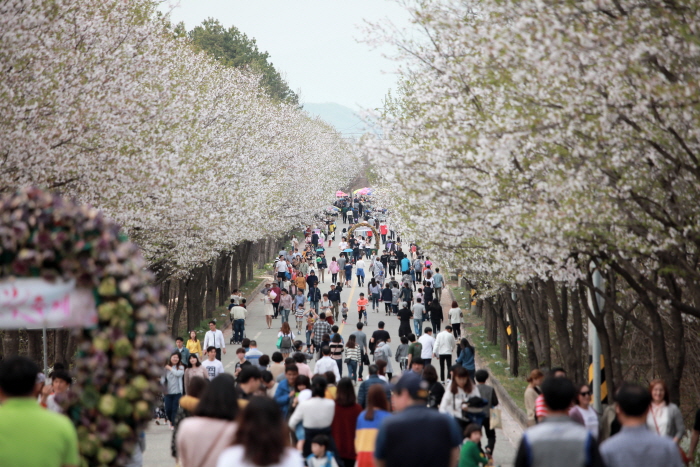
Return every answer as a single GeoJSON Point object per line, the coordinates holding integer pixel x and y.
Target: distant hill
{"type": "Point", "coordinates": [344, 119]}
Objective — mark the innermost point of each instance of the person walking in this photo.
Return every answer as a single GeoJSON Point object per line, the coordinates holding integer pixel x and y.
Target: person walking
{"type": "Point", "coordinates": [195, 370]}
{"type": "Point", "coordinates": [427, 342]}
{"type": "Point", "coordinates": [436, 316]}
{"type": "Point", "coordinates": [455, 315]}
{"type": "Point", "coordinates": [418, 316]}
{"type": "Point", "coordinates": [320, 327]}
{"type": "Point", "coordinates": [404, 316]}
{"type": "Point", "coordinates": [286, 304]}
{"type": "Point", "coordinates": [664, 417]}
{"type": "Point", "coordinates": [322, 265]}
{"type": "Point", "coordinates": [435, 444]}
{"type": "Point", "coordinates": [285, 339]}
{"type": "Point", "coordinates": [334, 297]}
{"type": "Point", "coordinates": [238, 315]}
{"type": "Point", "coordinates": [387, 297]}
{"type": "Point", "coordinates": [173, 379]}
{"type": "Point", "coordinates": [455, 399]}
{"type": "Point", "coordinates": [315, 414]}
{"type": "Point", "coordinates": [489, 394]}
{"type": "Point", "coordinates": [204, 436]}
{"type": "Point", "coordinates": [345, 421]}
{"type": "Point", "coordinates": [214, 338]}
{"type": "Point", "coordinates": [438, 284]}
{"type": "Point", "coordinates": [534, 380]}
{"type": "Point", "coordinates": [29, 434]}
{"type": "Point", "coordinates": [360, 272]}
{"type": "Point", "coordinates": [336, 348]}
{"type": "Point", "coordinates": [444, 346]}
{"type": "Point", "coordinates": [187, 406]}
{"type": "Point", "coordinates": [635, 444]}
{"type": "Point", "coordinates": [314, 297]}
{"type": "Point", "coordinates": [194, 345]}
{"type": "Point", "coordinates": [374, 290]}
{"type": "Point", "coordinates": [213, 366]}
{"type": "Point", "coordinates": [250, 449]}
{"type": "Point", "coordinates": [582, 411]}
{"type": "Point", "coordinates": [368, 423]}
{"type": "Point", "coordinates": [559, 440]}
{"type": "Point", "coordinates": [326, 363]}
{"type": "Point", "coordinates": [353, 354]}
{"type": "Point", "coordinates": [371, 381]}
{"type": "Point", "coordinates": [361, 339]}
{"type": "Point", "coordinates": [466, 357]}
{"type": "Point", "coordinates": [334, 268]}
{"type": "Point", "coordinates": [268, 300]}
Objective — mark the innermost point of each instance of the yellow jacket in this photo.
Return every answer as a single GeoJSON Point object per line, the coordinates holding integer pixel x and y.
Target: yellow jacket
{"type": "Point", "coordinates": [195, 347]}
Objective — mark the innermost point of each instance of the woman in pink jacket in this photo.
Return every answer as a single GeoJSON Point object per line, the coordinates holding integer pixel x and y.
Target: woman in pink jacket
{"type": "Point", "coordinates": [333, 268]}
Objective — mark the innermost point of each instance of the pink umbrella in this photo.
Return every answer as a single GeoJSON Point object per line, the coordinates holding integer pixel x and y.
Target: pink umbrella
{"type": "Point", "coordinates": [339, 193]}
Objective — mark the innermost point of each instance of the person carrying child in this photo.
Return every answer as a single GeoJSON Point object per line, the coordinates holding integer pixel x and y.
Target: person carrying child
{"type": "Point", "coordinates": [362, 307]}
{"type": "Point", "coordinates": [487, 392]}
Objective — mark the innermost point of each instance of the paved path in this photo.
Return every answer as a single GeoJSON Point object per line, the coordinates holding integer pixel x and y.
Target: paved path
{"type": "Point", "coordinates": [158, 437]}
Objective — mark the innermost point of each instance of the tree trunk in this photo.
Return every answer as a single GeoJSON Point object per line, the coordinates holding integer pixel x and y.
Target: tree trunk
{"type": "Point", "coordinates": [35, 347]}
{"type": "Point", "coordinates": [235, 260]}
{"type": "Point", "coordinates": [542, 319]}
{"type": "Point", "coordinates": [179, 305]}
{"type": "Point", "coordinates": [10, 343]}
{"type": "Point", "coordinates": [195, 297]}
{"type": "Point", "coordinates": [514, 354]}
{"type": "Point", "coordinates": [210, 290]}
{"type": "Point", "coordinates": [501, 323]}
{"type": "Point", "coordinates": [222, 278]}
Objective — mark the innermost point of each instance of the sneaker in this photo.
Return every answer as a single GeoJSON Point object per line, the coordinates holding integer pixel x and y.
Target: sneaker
{"type": "Point", "coordinates": [359, 379]}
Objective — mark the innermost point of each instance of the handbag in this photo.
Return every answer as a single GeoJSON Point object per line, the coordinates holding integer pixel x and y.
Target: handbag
{"type": "Point", "coordinates": [365, 359]}
{"type": "Point", "coordinates": [279, 341]}
{"type": "Point", "coordinates": [495, 420]}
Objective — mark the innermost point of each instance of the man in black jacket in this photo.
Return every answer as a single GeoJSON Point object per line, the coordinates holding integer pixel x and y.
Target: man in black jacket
{"type": "Point", "coordinates": [436, 317]}
{"type": "Point", "coordinates": [334, 297]}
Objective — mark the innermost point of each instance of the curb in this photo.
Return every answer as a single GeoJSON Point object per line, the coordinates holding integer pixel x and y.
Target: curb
{"type": "Point", "coordinates": [503, 396]}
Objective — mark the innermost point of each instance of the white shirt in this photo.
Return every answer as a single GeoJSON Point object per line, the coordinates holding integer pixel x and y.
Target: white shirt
{"type": "Point", "coordinates": [455, 315]}
{"type": "Point", "coordinates": [327, 364]}
{"type": "Point", "coordinates": [360, 264]}
{"type": "Point", "coordinates": [444, 343]}
{"type": "Point", "coordinates": [281, 266]}
{"type": "Point", "coordinates": [235, 457]}
{"type": "Point", "coordinates": [215, 338]}
{"type": "Point", "coordinates": [316, 412]}
{"type": "Point", "coordinates": [214, 368]}
{"type": "Point", "coordinates": [590, 419]}
{"type": "Point", "coordinates": [427, 341]}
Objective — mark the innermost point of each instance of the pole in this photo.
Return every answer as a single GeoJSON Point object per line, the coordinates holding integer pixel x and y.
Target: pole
{"type": "Point", "coordinates": [593, 341]}
{"type": "Point", "coordinates": [46, 363]}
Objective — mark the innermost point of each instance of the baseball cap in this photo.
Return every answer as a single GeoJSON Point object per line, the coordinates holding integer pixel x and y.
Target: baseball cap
{"type": "Point", "coordinates": [414, 384]}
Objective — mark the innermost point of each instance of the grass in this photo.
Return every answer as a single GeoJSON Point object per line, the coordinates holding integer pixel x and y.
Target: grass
{"type": "Point", "coordinates": [490, 355]}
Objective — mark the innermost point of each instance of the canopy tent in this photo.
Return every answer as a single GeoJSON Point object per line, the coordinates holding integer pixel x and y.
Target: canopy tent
{"type": "Point", "coordinates": [362, 191]}
{"type": "Point", "coordinates": [339, 194]}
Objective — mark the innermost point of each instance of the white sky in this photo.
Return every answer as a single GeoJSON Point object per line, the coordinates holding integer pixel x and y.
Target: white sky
{"type": "Point", "coordinates": [313, 43]}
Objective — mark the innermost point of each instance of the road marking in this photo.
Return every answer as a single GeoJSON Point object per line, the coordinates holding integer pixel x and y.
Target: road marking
{"type": "Point", "coordinates": [257, 335]}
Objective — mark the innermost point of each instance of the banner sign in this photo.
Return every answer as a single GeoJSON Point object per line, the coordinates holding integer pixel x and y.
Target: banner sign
{"type": "Point", "coordinates": [34, 303]}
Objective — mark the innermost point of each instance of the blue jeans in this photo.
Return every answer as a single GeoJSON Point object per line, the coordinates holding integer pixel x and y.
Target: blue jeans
{"type": "Point", "coordinates": [352, 370]}
{"type": "Point", "coordinates": [238, 330]}
{"type": "Point", "coordinates": [418, 326]}
{"type": "Point", "coordinates": [368, 251]}
{"type": "Point", "coordinates": [308, 338]}
{"type": "Point", "coordinates": [314, 305]}
{"type": "Point", "coordinates": [172, 402]}
{"type": "Point", "coordinates": [285, 315]}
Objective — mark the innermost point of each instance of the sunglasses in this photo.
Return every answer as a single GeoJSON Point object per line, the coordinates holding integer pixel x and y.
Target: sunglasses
{"type": "Point", "coordinates": [585, 393]}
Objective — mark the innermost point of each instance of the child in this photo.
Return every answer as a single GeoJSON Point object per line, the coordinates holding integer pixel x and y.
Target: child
{"type": "Point", "coordinates": [320, 456]}
{"type": "Point", "coordinates": [299, 315]}
{"type": "Point", "coordinates": [344, 311]}
{"type": "Point", "coordinates": [362, 307]}
{"type": "Point", "coordinates": [402, 353]}
{"type": "Point", "coordinates": [489, 394]}
{"type": "Point", "coordinates": [470, 455]}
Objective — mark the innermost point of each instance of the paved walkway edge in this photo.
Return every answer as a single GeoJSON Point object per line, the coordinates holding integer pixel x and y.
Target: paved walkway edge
{"type": "Point", "coordinates": [504, 398]}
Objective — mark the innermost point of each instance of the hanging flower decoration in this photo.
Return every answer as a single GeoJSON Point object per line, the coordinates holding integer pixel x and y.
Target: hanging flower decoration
{"type": "Point", "coordinates": [118, 361]}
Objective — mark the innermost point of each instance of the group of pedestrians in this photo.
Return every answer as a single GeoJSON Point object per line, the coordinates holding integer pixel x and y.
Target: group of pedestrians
{"type": "Point", "coordinates": [642, 428]}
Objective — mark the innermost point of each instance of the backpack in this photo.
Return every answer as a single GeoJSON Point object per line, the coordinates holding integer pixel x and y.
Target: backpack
{"type": "Point", "coordinates": [286, 341]}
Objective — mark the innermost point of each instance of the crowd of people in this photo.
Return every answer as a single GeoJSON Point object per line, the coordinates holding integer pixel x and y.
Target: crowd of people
{"type": "Point", "coordinates": [308, 402]}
